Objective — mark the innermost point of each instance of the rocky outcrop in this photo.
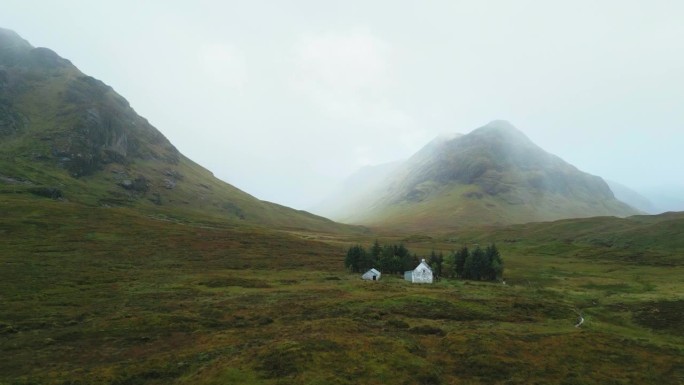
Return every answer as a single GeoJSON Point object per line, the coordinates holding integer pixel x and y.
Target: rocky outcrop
{"type": "Point", "coordinates": [90, 124]}
{"type": "Point", "coordinates": [11, 121]}
{"type": "Point", "coordinates": [104, 129]}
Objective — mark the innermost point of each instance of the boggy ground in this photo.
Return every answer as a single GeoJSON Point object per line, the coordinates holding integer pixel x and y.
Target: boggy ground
{"type": "Point", "coordinates": [109, 296]}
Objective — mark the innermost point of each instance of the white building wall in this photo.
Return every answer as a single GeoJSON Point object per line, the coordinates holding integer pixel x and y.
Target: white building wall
{"type": "Point", "coordinates": [370, 273]}
{"type": "Point", "coordinates": [422, 273]}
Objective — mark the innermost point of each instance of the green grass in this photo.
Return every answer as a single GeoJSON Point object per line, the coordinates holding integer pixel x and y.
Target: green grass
{"type": "Point", "coordinates": [109, 296]}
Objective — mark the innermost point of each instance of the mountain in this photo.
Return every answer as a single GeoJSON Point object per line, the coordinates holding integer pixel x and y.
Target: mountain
{"type": "Point", "coordinates": [356, 188]}
{"type": "Point", "coordinates": [66, 135]}
{"type": "Point", "coordinates": [493, 175]}
{"type": "Point", "coordinates": [631, 197]}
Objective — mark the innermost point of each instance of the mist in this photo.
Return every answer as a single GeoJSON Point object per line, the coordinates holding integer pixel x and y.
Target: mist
{"type": "Point", "coordinates": [285, 101]}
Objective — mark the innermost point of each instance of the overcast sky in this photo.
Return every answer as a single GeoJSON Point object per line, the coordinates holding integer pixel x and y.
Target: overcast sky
{"type": "Point", "coordinates": [284, 99]}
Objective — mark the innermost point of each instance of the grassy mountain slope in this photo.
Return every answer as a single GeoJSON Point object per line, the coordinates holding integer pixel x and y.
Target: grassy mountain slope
{"type": "Point", "coordinates": [494, 175]}
{"type": "Point", "coordinates": [639, 239]}
{"type": "Point", "coordinates": [67, 135]}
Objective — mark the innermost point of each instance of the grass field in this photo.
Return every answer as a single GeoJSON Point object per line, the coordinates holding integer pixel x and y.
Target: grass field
{"type": "Point", "coordinates": [110, 296]}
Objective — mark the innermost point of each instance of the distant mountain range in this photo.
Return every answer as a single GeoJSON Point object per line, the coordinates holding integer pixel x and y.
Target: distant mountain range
{"type": "Point", "coordinates": [493, 175]}
{"type": "Point", "coordinates": [632, 198]}
{"type": "Point", "coordinates": [66, 135]}
{"type": "Point", "coordinates": [666, 198]}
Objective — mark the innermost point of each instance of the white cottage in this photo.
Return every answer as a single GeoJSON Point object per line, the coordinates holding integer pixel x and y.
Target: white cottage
{"type": "Point", "coordinates": [421, 274]}
{"type": "Point", "coordinates": [371, 275]}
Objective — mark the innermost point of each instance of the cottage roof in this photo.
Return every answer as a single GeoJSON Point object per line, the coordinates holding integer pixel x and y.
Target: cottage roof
{"type": "Point", "coordinates": [423, 264]}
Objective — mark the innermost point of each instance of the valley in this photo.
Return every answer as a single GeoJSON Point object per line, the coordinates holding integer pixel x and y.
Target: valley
{"type": "Point", "coordinates": [122, 261]}
{"type": "Point", "coordinates": [110, 296]}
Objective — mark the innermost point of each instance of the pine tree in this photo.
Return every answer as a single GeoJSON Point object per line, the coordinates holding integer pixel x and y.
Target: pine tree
{"type": "Point", "coordinates": [386, 261]}
{"type": "Point", "coordinates": [376, 250]}
{"type": "Point", "coordinates": [435, 263]}
{"type": "Point", "coordinates": [478, 265]}
{"type": "Point", "coordinates": [495, 264]}
{"type": "Point", "coordinates": [401, 250]}
{"type": "Point", "coordinates": [460, 258]}
{"type": "Point", "coordinates": [468, 267]}
{"type": "Point", "coordinates": [440, 263]}
{"type": "Point", "coordinates": [406, 262]}
{"type": "Point", "coordinates": [449, 266]}
{"type": "Point", "coordinates": [356, 259]}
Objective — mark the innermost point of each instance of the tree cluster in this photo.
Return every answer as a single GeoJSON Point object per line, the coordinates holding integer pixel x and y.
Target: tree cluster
{"type": "Point", "coordinates": [436, 263]}
{"type": "Point", "coordinates": [387, 258]}
{"type": "Point", "coordinates": [479, 264]}
{"type": "Point", "coordinates": [485, 265]}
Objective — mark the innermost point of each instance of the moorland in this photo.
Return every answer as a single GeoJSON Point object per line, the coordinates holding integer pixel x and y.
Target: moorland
{"type": "Point", "coordinates": [124, 262]}
{"type": "Point", "coordinates": [93, 295]}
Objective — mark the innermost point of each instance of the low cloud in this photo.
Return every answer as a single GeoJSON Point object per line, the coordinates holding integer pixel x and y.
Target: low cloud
{"type": "Point", "coordinates": [347, 74]}
{"type": "Point", "coordinates": [223, 63]}
{"type": "Point", "coordinates": [341, 64]}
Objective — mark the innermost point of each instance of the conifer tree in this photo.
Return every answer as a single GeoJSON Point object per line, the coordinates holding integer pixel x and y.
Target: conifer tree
{"type": "Point", "coordinates": [386, 260]}
{"type": "Point", "coordinates": [356, 259]}
{"type": "Point", "coordinates": [495, 264]}
{"type": "Point", "coordinates": [376, 250]}
{"type": "Point", "coordinates": [478, 264]}
{"type": "Point", "coordinates": [459, 261]}
{"type": "Point", "coordinates": [440, 259]}
{"type": "Point", "coordinates": [435, 263]}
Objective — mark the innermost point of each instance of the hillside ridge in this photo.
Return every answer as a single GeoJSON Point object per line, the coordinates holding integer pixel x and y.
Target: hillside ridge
{"type": "Point", "coordinates": [66, 135]}
{"type": "Point", "coordinates": [493, 175]}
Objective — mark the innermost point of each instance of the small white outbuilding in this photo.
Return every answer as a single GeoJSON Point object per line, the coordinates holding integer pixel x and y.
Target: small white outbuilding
{"type": "Point", "coordinates": [371, 275]}
{"type": "Point", "coordinates": [421, 274]}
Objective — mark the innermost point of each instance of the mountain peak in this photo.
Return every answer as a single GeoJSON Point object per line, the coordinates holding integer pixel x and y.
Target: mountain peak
{"type": "Point", "coordinates": [493, 175]}
{"type": "Point", "coordinates": [17, 52]}
{"type": "Point", "coordinates": [65, 134]}
{"type": "Point", "coordinates": [11, 40]}
{"type": "Point", "coordinates": [501, 132]}
{"type": "Point", "coordinates": [501, 127]}
{"type": "Point", "coordinates": [7, 35]}
{"type": "Point", "coordinates": [500, 124]}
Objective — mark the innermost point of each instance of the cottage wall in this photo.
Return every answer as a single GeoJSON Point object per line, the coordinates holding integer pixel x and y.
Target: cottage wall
{"type": "Point", "coordinates": [371, 275]}
{"type": "Point", "coordinates": [422, 273]}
